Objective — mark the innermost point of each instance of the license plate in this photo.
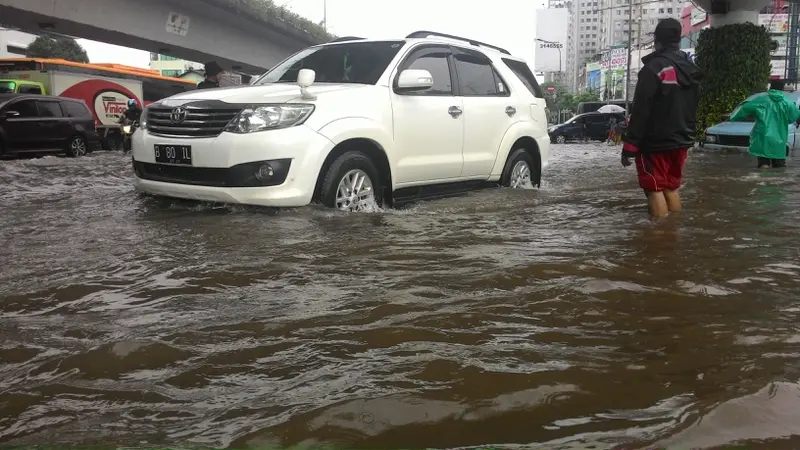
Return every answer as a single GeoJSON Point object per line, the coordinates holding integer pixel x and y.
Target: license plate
{"type": "Point", "coordinates": [174, 154]}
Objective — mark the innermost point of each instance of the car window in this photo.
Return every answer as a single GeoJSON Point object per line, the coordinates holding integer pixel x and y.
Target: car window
{"type": "Point", "coordinates": [523, 72]}
{"type": "Point", "coordinates": [351, 62]}
{"type": "Point", "coordinates": [7, 87]}
{"type": "Point", "coordinates": [476, 77]}
{"type": "Point", "coordinates": [25, 108]}
{"type": "Point", "coordinates": [49, 109]}
{"type": "Point", "coordinates": [76, 109]}
{"type": "Point", "coordinates": [30, 89]}
{"type": "Point", "coordinates": [435, 62]}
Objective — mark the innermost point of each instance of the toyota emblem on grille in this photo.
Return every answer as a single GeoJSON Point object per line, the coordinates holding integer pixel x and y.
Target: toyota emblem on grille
{"type": "Point", "coordinates": [178, 115]}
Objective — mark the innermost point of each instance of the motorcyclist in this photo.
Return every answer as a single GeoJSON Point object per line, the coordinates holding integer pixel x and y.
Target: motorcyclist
{"type": "Point", "coordinates": [132, 114]}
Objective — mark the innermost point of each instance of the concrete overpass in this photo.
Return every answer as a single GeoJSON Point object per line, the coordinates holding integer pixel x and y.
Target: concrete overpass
{"type": "Point", "coordinates": [227, 31]}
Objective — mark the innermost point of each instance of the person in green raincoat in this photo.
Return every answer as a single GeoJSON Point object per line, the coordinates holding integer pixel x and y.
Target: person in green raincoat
{"type": "Point", "coordinates": [773, 113]}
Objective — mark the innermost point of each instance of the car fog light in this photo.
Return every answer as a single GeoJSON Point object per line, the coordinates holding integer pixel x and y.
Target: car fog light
{"type": "Point", "coordinates": [265, 172]}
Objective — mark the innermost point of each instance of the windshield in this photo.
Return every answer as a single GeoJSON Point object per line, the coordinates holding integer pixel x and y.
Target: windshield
{"type": "Point", "coordinates": [7, 87]}
{"type": "Point", "coordinates": [352, 62]}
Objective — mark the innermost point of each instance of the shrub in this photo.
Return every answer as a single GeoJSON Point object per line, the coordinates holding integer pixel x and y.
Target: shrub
{"type": "Point", "coordinates": [735, 60]}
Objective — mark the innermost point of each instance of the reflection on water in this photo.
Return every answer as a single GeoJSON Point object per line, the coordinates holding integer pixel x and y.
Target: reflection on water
{"type": "Point", "coordinates": [561, 317]}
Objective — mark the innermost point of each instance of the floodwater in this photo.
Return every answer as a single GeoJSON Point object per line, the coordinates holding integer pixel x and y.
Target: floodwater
{"type": "Point", "coordinates": [560, 318]}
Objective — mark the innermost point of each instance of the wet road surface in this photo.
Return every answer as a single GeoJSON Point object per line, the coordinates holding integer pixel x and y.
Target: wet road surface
{"type": "Point", "coordinates": [560, 318]}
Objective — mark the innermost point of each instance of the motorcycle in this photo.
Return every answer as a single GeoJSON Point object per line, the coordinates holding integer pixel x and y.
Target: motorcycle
{"type": "Point", "coordinates": [127, 133]}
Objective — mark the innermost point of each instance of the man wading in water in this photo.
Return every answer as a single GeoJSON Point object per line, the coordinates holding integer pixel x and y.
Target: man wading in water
{"type": "Point", "coordinates": [662, 119]}
{"type": "Point", "coordinates": [773, 113]}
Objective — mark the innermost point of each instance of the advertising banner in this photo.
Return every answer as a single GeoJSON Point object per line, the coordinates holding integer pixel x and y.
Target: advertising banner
{"type": "Point", "coordinates": [551, 39]}
{"type": "Point", "coordinates": [774, 23]}
{"type": "Point", "coordinates": [778, 68]}
{"type": "Point", "coordinates": [783, 45]}
{"type": "Point", "coordinates": [616, 58]}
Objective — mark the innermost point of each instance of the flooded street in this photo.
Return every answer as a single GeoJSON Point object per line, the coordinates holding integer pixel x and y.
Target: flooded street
{"type": "Point", "coordinates": [560, 318]}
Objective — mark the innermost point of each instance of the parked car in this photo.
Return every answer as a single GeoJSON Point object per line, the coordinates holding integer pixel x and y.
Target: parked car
{"type": "Point", "coordinates": [597, 127]}
{"type": "Point", "coordinates": [736, 135]}
{"type": "Point", "coordinates": [586, 107]}
{"type": "Point", "coordinates": [32, 123]}
{"type": "Point", "coordinates": [371, 120]}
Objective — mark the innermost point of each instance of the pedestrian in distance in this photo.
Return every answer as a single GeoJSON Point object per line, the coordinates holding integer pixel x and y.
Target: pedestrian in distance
{"type": "Point", "coordinates": [773, 113]}
{"type": "Point", "coordinates": [213, 71]}
{"type": "Point", "coordinates": [612, 131]}
{"type": "Point", "coordinates": [662, 119]}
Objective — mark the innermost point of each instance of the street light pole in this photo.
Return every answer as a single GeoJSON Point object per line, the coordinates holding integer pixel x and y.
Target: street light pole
{"type": "Point", "coordinates": [325, 14]}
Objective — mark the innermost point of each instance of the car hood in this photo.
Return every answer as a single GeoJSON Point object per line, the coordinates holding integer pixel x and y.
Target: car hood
{"type": "Point", "coordinates": [731, 128]}
{"type": "Point", "coordinates": [267, 93]}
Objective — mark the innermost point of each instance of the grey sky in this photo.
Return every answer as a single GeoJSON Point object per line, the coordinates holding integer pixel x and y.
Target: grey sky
{"type": "Point", "coordinates": [506, 23]}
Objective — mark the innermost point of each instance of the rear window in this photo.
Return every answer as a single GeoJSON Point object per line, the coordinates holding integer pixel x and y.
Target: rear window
{"type": "Point", "coordinates": [76, 109]}
{"type": "Point", "coordinates": [523, 72]}
{"type": "Point", "coordinates": [30, 89]}
{"type": "Point", "coordinates": [7, 87]}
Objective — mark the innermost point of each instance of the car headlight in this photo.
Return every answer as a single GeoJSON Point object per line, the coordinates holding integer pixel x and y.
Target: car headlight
{"type": "Point", "coordinates": [269, 117]}
{"type": "Point", "coordinates": [143, 119]}
{"type": "Point", "coordinates": [126, 129]}
{"type": "Point", "coordinates": [711, 138]}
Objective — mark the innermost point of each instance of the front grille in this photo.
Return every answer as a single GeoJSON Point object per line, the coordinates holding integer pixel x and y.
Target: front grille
{"type": "Point", "coordinates": [734, 141]}
{"type": "Point", "coordinates": [200, 122]}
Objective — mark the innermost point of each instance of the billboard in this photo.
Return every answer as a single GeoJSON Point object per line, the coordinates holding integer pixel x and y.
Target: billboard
{"type": "Point", "coordinates": [616, 58]}
{"type": "Point", "coordinates": [551, 40]}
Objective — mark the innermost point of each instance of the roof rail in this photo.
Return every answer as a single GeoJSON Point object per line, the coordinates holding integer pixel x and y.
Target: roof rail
{"type": "Point", "coordinates": [423, 34]}
{"type": "Point", "coordinates": [347, 38]}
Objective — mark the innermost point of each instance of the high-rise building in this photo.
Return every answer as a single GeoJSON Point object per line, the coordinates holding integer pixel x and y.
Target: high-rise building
{"type": "Point", "coordinates": [584, 33]}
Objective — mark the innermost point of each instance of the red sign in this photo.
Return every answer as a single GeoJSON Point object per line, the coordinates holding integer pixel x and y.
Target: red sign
{"type": "Point", "coordinates": [551, 88]}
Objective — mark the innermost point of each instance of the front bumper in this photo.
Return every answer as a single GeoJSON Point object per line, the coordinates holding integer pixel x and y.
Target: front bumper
{"type": "Point", "coordinates": [710, 146]}
{"type": "Point", "coordinates": [223, 167]}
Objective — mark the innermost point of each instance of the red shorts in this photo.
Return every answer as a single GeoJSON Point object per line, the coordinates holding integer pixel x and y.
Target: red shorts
{"type": "Point", "coordinates": [661, 170]}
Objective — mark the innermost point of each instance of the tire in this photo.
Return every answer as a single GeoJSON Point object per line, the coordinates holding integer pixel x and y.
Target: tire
{"type": "Point", "coordinates": [348, 165]}
{"type": "Point", "coordinates": [561, 139]}
{"type": "Point", "coordinates": [517, 163]}
{"type": "Point", "coordinates": [77, 147]}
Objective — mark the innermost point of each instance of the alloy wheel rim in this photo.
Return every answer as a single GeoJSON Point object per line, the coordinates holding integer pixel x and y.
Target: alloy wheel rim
{"type": "Point", "coordinates": [561, 139]}
{"type": "Point", "coordinates": [355, 191]}
{"type": "Point", "coordinates": [78, 147]}
{"type": "Point", "coordinates": [521, 175]}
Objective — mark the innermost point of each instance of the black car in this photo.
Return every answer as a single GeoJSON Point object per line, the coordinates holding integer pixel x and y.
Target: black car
{"type": "Point", "coordinates": [45, 124]}
{"type": "Point", "coordinates": [597, 126]}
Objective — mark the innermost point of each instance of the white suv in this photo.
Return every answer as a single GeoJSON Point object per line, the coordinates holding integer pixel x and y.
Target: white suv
{"type": "Point", "coordinates": [351, 123]}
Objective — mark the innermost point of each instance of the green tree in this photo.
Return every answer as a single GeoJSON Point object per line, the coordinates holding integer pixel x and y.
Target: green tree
{"type": "Point", "coordinates": [62, 47]}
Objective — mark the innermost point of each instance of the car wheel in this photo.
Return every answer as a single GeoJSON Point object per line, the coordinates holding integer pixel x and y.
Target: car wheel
{"type": "Point", "coordinates": [519, 172]}
{"type": "Point", "coordinates": [352, 183]}
{"type": "Point", "coordinates": [77, 147]}
{"type": "Point", "coordinates": [561, 139]}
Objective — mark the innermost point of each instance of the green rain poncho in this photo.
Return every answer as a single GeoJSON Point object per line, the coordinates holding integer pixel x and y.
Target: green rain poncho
{"type": "Point", "coordinates": [773, 114]}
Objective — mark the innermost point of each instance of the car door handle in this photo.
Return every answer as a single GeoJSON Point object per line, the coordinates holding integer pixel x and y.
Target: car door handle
{"type": "Point", "coordinates": [454, 111]}
{"type": "Point", "coordinates": [510, 110]}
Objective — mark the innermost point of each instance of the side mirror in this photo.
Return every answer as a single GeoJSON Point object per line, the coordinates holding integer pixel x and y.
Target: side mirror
{"type": "Point", "coordinates": [306, 77]}
{"type": "Point", "coordinates": [414, 80]}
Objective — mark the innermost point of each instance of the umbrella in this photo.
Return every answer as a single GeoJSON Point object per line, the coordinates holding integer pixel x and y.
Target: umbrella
{"type": "Point", "coordinates": [611, 109]}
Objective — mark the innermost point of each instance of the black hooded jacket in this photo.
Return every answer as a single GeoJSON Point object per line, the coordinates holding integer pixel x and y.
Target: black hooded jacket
{"type": "Point", "coordinates": [664, 112]}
